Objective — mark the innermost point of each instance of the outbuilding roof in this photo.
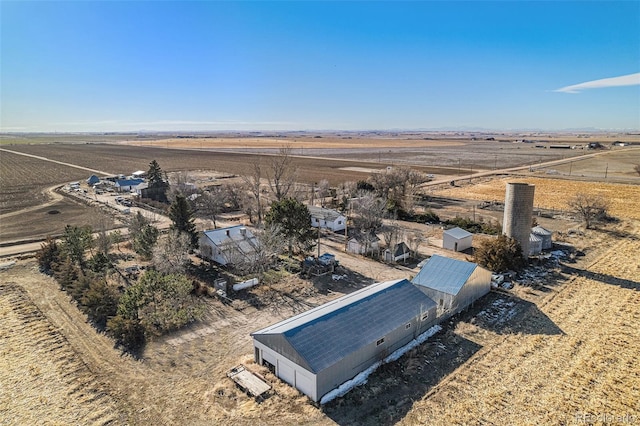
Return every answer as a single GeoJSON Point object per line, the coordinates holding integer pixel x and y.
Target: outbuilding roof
{"type": "Point", "coordinates": [322, 213]}
{"type": "Point", "coordinates": [444, 274]}
{"type": "Point", "coordinates": [458, 233]}
{"type": "Point", "coordinates": [129, 182]}
{"type": "Point", "coordinates": [539, 230]}
{"type": "Point", "coordinates": [320, 337]}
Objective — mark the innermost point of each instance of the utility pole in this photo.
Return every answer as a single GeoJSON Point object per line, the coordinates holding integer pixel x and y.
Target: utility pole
{"type": "Point", "coordinates": [458, 167]}
{"type": "Point", "coordinates": [606, 170]}
{"type": "Point", "coordinates": [570, 167]}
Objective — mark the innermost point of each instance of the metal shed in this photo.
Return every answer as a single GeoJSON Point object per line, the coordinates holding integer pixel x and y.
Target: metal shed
{"type": "Point", "coordinates": [452, 284]}
{"type": "Point", "coordinates": [320, 349]}
{"type": "Point", "coordinates": [535, 244]}
{"type": "Point", "coordinates": [545, 234]}
{"type": "Point", "coordinates": [456, 239]}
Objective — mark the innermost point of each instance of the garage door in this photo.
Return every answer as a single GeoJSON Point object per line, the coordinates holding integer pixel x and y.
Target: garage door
{"type": "Point", "coordinates": [304, 383]}
{"type": "Point", "coordinates": [286, 372]}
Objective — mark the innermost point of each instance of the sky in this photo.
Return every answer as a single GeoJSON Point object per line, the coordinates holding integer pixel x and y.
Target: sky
{"type": "Point", "coordinates": [331, 65]}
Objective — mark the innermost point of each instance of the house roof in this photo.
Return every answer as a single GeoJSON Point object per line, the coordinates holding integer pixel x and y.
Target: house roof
{"type": "Point", "coordinates": [357, 235]}
{"type": "Point", "coordinates": [129, 182]}
{"type": "Point", "coordinates": [319, 338]}
{"type": "Point", "coordinates": [458, 233]}
{"type": "Point", "coordinates": [539, 230]}
{"type": "Point", "coordinates": [233, 235]}
{"type": "Point", "coordinates": [322, 213]}
{"type": "Point", "coordinates": [444, 274]}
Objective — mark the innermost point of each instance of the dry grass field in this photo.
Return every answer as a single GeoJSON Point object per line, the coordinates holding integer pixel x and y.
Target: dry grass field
{"type": "Point", "coordinates": [554, 193]}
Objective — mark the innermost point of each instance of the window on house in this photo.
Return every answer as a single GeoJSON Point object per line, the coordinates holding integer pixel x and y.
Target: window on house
{"type": "Point", "coordinates": [379, 342]}
{"type": "Point", "coordinates": [407, 326]}
{"type": "Point", "coordinates": [425, 316]}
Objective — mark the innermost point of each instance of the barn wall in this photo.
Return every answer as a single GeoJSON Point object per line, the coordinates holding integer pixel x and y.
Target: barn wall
{"type": "Point", "coordinates": [449, 242]}
{"type": "Point", "coordinates": [478, 284]}
{"type": "Point", "coordinates": [288, 371]}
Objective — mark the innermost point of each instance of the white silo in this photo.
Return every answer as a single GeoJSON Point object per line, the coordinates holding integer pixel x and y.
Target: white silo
{"type": "Point", "coordinates": [518, 211]}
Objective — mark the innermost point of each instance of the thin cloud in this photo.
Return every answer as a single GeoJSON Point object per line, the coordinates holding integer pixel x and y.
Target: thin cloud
{"type": "Point", "coordinates": [623, 80]}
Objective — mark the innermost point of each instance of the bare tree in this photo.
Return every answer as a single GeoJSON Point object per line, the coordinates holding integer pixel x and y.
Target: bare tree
{"type": "Point", "coordinates": [252, 180]}
{"type": "Point", "coordinates": [234, 193]}
{"type": "Point", "coordinates": [282, 173]}
{"type": "Point", "coordinates": [101, 223]}
{"type": "Point", "coordinates": [323, 191]}
{"type": "Point", "coordinates": [390, 233]}
{"type": "Point", "coordinates": [414, 241]}
{"type": "Point", "coordinates": [171, 253]}
{"type": "Point", "coordinates": [368, 212]}
{"type": "Point", "coordinates": [589, 208]}
{"type": "Point", "coordinates": [211, 203]}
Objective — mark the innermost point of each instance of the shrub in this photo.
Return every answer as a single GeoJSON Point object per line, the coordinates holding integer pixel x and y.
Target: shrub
{"type": "Point", "coordinates": [500, 254]}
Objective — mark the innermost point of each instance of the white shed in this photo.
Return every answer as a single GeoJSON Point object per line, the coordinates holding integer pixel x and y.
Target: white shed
{"type": "Point", "coordinates": [456, 239]}
{"type": "Point", "coordinates": [399, 252]}
{"type": "Point", "coordinates": [228, 245]}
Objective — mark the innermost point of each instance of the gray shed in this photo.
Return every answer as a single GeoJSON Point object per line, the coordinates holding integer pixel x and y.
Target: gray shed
{"type": "Point", "coordinates": [535, 244]}
{"type": "Point", "coordinates": [453, 284]}
{"type": "Point", "coordinates": [545, 234]}
{"type": "Point", "coordinates": [320, 349]}
{"type": "Point", "coordinates": [456, 239]}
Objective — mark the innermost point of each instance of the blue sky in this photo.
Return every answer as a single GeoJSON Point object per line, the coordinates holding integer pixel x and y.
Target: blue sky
{"type": "Point", "coordinates": [204, 65]}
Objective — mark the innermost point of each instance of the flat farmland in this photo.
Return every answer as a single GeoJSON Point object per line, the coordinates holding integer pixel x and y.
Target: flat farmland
{"type": "Point", "coordinates": [23, 180]}
{"type": "Point", "coordinates": [553, 194]}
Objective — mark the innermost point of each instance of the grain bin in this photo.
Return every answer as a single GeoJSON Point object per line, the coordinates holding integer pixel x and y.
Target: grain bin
{"type": "Point", "coordinates": [518, 211]}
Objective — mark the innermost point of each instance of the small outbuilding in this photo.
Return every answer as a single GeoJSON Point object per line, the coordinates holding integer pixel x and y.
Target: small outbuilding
{"type": "Point", "coordinates": [363, 243]}
{"type": "Point", "coordinates": [320, 349]}
{"type": "Point", "coordinates": [92, 180]}
{"type": "Point", "coordinates": [545, 234]}
{"type": "Point", "coordinates": [400, 252]}
{"type": "Point", "coordinates": [453, 284]}
{"type": "Point", "coordinates": [327, 218]}
{"type": "Point", "coordinates": [535, 244]}
{"type": "Point", "coordinates": [456, 239]}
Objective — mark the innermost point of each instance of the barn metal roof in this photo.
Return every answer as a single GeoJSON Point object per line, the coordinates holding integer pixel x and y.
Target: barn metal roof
{"type": "Point", "coordinates": [319, 338]}
{"type": "Point", "coordinates": [444, 274]}
{"type": "Point", "coordinates": [237, 236]}
{"type": "Point", "coordinates": [458, 233]}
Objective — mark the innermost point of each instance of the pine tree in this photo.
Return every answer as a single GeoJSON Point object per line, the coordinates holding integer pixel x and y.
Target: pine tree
{"type": "Point", "coordinates": [182, 216]}
{"type": "Point", "coordinates": [293, 220]}
{"type": "Point", "coordinates": [158, 185]}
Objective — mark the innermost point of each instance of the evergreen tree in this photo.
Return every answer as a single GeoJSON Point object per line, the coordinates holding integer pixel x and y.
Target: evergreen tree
{"type": "Point", "coordinates": [293, 221]}
{"type": "Point", "coordinates": [158, 185]}
{"type": "Point", "coordinates": [182, 216]}
{"type": "Point", "coordinates": [49, 255]}
{"type": "Point", "coordinates": [143, 236]}
{"type": "Point", "coordinates": [75, 241]}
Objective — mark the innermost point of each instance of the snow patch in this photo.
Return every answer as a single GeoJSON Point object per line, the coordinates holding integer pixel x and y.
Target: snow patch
{"type": "Point", "coordinates": [361, 378]}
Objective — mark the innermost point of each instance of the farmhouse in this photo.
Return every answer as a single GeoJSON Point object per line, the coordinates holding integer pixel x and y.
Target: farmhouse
{"type": "Point", "coordinates": [320, 349]}
{"type": "Point", "coordinates": [327, 218]}
{"type": "Point", "coordinates": [398, 253]}
{"type": "Point", "coordinates": [123, 185]}
{"type": "Point", "coordinates": [228, 245]}
{"type": "Point", "coordinates": [453, 284]}
{"type": "Point", "coordinates": [456, 239]}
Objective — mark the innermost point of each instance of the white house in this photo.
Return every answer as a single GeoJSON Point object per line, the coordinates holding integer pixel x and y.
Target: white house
{"type": "Point", "coordinates": [327, 218]}
{"type": "Point", "coordinates": [228, 245]}
{"type": "Point", "coordinates": [456, 239]}
{"type": "Point", "coordinates": [123, 185]}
